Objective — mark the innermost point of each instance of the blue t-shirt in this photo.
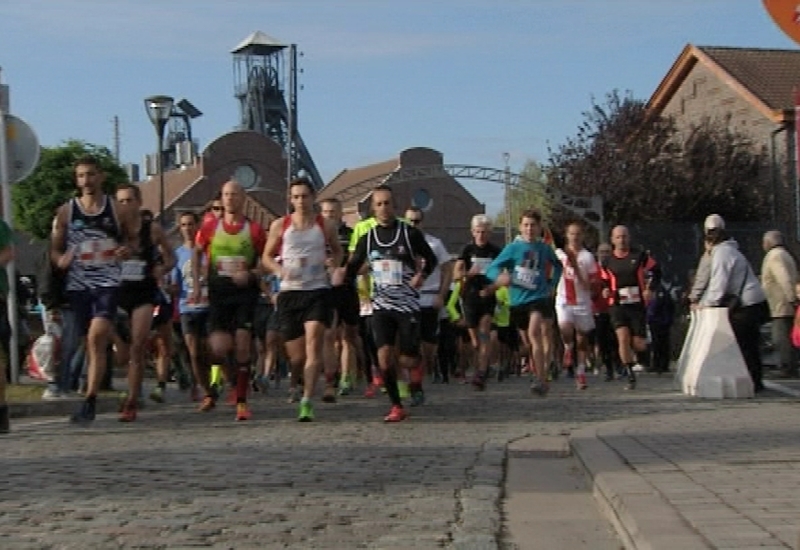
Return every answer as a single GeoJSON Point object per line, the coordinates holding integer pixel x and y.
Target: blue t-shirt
{"type": "Point", "coordinates": [534, 268]}
{"type": "Point", "coordinates": [182, 276]}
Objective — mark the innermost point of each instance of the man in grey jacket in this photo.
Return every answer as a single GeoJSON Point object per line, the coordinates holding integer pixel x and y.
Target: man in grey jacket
{"type": "Point", "coordinates": [733, 284]}
{"type": "Point", "coordinates": [778, 277]}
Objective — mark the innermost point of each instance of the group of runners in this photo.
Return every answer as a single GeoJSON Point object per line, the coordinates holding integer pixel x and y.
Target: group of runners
{"type": "Point", "coordinates": [372, 302]}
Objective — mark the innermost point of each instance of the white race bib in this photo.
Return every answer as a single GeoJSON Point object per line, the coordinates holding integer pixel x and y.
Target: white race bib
{"type": "Point", "coordinates": [481, 264]}
{"type": "Point", "coordinates": [133, 270]}
{"type": "Point", "coordinates": [227, 266]}
{"type": "Point", "coordinates": [95, 252]}
{"type": "Point", "coordinates": [387, 272]}
{"type": "Point", "coordinates": [629, 295]}
{"type": "Point", "coordinates": [365, 309]}
{"type": "Point", "coordinates": [526, 277]}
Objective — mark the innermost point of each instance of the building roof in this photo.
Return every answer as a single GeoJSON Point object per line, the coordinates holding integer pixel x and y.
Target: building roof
{"type": "Point", "coordinates": [258, 43]}
{"type": "Point", "coordinates": [176, 182]}
{"type": "Point", "coordinates": [350, 177]}
{"type": "Point", "coordinates": [766, 77]}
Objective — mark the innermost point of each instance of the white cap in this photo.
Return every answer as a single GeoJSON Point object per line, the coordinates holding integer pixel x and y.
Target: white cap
{"type": "Point", "coordinates": [714, 221]}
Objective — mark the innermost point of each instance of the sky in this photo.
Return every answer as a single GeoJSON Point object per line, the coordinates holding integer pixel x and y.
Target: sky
{"type": "Point", "coordinates": [473, 79]}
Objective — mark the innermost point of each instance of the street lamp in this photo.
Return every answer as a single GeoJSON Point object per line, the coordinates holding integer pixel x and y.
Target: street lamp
{"type": "Point", "coordinates": [159, 109]}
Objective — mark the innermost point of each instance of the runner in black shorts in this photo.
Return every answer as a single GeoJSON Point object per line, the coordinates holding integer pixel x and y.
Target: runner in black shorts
{"type": "Point", "coordinates": [341, 340]}
{"type": "Point", "coordinates": [139, 290]}
{"type": "Point", "coordinates": [478, 305]}
{"type": "Point", "coordinates": [233, 245]}
{"type": "Point", "coordinates": [633, 273]}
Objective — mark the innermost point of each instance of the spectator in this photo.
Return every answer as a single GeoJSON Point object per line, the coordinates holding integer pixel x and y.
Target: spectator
{"type": "Point", "coordinates": [733, 284]}
{"type": "Point", "coordinates": [660, 315]}
{"type": "Point", "coordinates": [778, 277]}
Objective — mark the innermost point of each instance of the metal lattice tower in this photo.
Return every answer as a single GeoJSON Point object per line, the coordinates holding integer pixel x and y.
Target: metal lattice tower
{"type": "Point", "coordinates": [265, 83]}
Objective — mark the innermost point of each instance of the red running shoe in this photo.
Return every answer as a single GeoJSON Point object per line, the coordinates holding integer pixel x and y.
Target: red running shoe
{"type": "Point", "coordinates": [397, 414]}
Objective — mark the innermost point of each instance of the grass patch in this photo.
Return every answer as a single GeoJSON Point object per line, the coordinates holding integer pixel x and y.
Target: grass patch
{"type": "Point", "coordinates": [25, 393]}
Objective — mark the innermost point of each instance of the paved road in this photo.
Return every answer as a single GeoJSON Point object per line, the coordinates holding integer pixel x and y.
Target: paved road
{"type": "Point", "coordinates": [180, 479]}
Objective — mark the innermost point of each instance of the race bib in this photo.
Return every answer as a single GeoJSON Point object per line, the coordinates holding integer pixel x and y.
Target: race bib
{"type": "Point", "coordinates": [133, 270]}
{"type": "Point", "coordinates": [365, 309]}
{"type": "Point", "coordinates": [481, 264]}
{"type": "Point", "coordinates": [387, 272]}
{"type": "Point", "coordinates": [302, 269]}
{"type": "Point", "coordinates": [227, 266]}
{"type": "Point", "coordinates": [629, 295]}
{"type": "Point", "coordinates": [95, 252]}
{"type": "Point", "coordinates": [526, 277]}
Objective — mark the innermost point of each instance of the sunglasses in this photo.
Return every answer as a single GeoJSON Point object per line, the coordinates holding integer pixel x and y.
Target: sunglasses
{"type": "Point", "coordinates": [414, 221]}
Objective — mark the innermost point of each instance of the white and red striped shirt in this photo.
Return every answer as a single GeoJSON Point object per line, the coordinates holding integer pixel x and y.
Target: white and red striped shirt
{"type": "Point", "coordinates": [570, 291]}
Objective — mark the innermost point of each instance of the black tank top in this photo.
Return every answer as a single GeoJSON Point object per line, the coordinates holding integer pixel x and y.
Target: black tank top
{"type": "Point", "coordinates": [137, 271]}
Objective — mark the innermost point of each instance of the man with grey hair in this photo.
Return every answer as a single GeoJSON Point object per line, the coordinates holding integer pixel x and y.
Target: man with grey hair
{"type": "Point", "coordinates": [778, 277]}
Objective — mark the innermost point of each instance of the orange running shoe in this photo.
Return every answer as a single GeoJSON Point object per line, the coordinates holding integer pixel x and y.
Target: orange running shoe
{"type": "Point", "coordinates": [397, 414]}
{"type": "Point", "coordinates": [243, 412]}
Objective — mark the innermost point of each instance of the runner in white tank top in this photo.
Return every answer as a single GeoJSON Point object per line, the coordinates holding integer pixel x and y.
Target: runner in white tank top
{"type": "Point", "coordinates": [574, 300]}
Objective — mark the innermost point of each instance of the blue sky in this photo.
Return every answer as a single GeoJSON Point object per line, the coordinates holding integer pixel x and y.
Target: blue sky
{"type": "Point", "coordinates": [471, 78]}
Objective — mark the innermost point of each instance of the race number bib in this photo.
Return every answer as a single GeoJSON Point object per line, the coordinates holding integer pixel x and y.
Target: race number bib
{"type": "Point", "coordinates": [96, 252]}
{"type": "Point", "coordinates": [629, 295]}
{"type": "Point", "coordinates": [481, 264]}
{"type": "Point", "coordinates": [526, 277]}
{"type": "Point", "coordinates": [387, 272]}
{"type": "Point", "coordinates": [227, 266]}
{"type": "Point", "coordinates": [133, 270]}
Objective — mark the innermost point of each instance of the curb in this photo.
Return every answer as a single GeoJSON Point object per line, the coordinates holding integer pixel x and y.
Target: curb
{"type": "Point", "coordinates": [61, 407]}
{"type": "Point", "coordinates": [642, 518]}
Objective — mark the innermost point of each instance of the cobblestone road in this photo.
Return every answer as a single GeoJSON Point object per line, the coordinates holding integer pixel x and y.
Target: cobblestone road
{"type": "Point", "coordinates": [180, 479]}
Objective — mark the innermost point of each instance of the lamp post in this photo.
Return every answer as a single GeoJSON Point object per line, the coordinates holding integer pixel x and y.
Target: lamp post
{"type": "Point", "coordinates": [159, 109]}
{"type": "Point", "coordinates": [507, 201]}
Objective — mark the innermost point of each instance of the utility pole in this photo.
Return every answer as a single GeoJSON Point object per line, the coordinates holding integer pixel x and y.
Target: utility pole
{"type": "Point", "coordinates": [507, 198]}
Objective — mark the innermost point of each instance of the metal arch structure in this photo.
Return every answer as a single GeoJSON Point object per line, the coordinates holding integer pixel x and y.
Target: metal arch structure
{"type": "Point", "coordinates": [588, 208]}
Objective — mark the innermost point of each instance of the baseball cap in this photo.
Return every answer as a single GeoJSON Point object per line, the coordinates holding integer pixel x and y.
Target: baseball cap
{"type": "Point", "coordinates": [713, 221]}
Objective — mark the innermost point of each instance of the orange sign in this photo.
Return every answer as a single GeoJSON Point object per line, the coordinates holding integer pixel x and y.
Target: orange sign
{"type": "Point", "coordinates": [786, 14]}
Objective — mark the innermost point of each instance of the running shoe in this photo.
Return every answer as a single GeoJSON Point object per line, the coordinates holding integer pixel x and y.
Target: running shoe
{"type": "Point", "coordinates": [479, 382]}
{"type": "Point", "coordinates": [84, 415]}
{"type": "Point", "coordinates": [631, 384]}
{"type": "Point", "coordinates": [417, 398]}
{"type": "Point", "coordinates": [344, 387]}
{"type": "Point", "coordinates": [396, 414]}
{"type": "Point", "coordinates": [128, 413]}
{"type": "Point", "coordinates": [207, 404]}
{"type": "Point", "coordinates": [371, 392]}
{"type": "Point", "coordinates": [243, 412]}
{"type": "Point", "coordinates": [580, 382]}
{"type": "Point", "coordinates": [157, 394]}
{"type": "Point", "coordinates": [567, 358]}
{"type": "Point", "coordinates": [537, 388]}
{"type": "Point", "coordinates": [329, 396]}
{"type": "Point", "coordinates": [294, 395]}
{"type": "Point", "coordinates": [305, 411]}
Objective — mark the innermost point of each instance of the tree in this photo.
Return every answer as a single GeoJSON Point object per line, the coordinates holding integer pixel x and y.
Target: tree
{"type": "Point", "coordinates": [530, 193]}
{"type": "Point", "coordinates": [647, 170]}
{"type": "Point", "coordinates": [36, 198]}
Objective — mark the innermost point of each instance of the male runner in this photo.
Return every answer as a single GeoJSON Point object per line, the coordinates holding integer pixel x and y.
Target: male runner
{"type": "Point", "coordinates": [633, 274]}
{"type": "Point", "coordinates": [433, 294]}
{"type": "Point", "coordinates": [303, 239]}
{"type": "Point", "coordinates": [400, 260]}
{"type": "Point", "coordinates": [232, 245]}
{"type": "Point", "coordinates": [478, 304]}
{"type": "Point", "coordinates": [88, 243]}
{"type": "Point", "coordinates": [531, 270]}
{"type": "Point", "coordinates": [574, 300]}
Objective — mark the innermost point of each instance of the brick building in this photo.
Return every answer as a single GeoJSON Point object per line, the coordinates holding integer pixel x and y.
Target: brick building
{"type": "Point", "coordinates": [753, 90]}
{"type": "Point", "coordinates": [417, 178]}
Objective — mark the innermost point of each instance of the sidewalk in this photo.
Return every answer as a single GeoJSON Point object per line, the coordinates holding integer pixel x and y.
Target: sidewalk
{"type": "Point", "coordinates": [725, 478]}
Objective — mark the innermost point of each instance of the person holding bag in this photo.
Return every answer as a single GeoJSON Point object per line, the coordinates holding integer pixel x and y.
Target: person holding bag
{"type": "Point", "coordinates": [734, 285]}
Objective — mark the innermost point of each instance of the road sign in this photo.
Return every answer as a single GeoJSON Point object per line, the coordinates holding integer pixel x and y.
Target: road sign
{"type": "Point", "coordinates": [786, 14]}
{"type": "Point", "coordinates": [23, 149]}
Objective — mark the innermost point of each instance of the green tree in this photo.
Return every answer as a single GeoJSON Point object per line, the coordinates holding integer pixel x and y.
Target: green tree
{"type": "Point", "coordinates": [530, 193]}
{"type": "Point", "coordinates": [646, 169]}
{"type": "Point", "coordinates": [36, 198]}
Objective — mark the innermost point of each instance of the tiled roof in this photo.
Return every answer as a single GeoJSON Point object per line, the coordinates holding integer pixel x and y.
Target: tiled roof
{"type": "Point", "coordinates": [771, 75]}
{"type": "Point", "coordinates": [347, 178]}
{"type": "Point", "coordinates": [176, 182]}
